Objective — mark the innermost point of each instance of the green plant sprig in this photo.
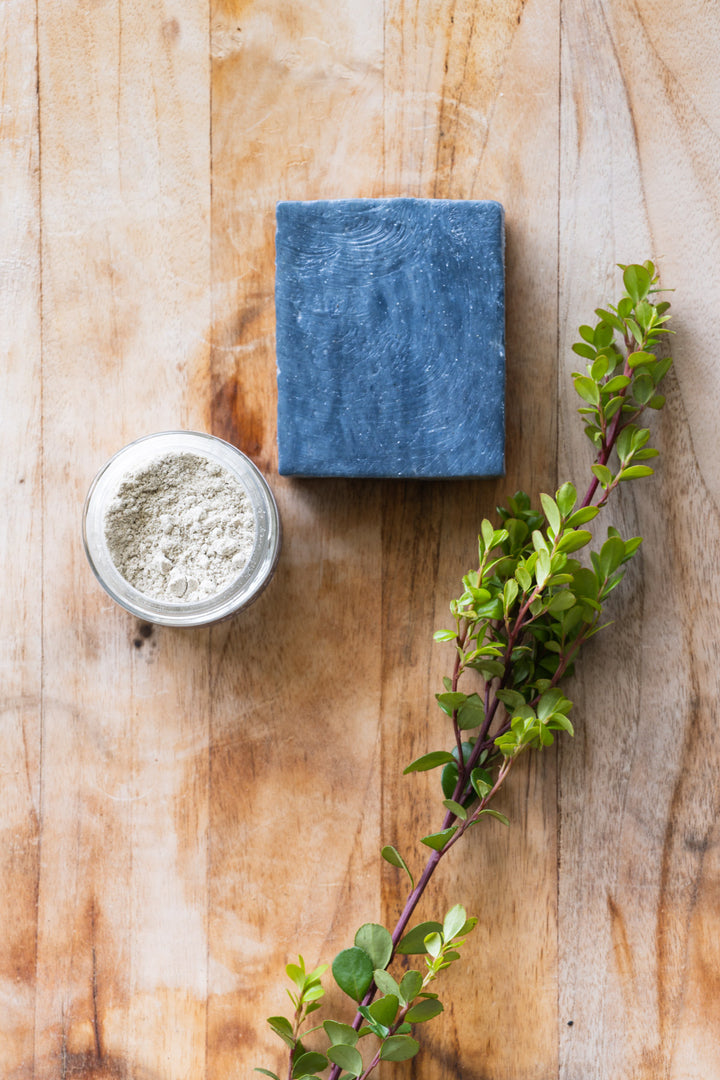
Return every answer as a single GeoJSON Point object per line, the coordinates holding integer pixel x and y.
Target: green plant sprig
{"type": "Point", "coordinates": [520, 622]}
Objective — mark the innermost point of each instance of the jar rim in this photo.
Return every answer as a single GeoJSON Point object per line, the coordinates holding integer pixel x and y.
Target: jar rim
{"type": "Point", "coordinates": [251, 579]}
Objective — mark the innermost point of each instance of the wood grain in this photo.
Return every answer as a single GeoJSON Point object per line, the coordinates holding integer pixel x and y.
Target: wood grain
{"type": "Point", "coordinates": [122, 910]}
{"type": "Point", "coordinates": [21, 537]}
{"type": "Point", "coordinates": [182, 813]}
{"type": "Point", "coordinates": [455, 103]}
{"type": "Point", "coordinates": [295, 783]}
{"type": "Point", "coordinates": [638, 787]}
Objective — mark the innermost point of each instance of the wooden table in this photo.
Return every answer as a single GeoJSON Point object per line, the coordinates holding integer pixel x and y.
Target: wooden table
{"type": "Point", "coordinates": [183, 811]}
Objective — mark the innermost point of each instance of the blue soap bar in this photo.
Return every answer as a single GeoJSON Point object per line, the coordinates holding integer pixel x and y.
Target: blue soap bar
{"type": "Point", "coordinates": [390, 338]}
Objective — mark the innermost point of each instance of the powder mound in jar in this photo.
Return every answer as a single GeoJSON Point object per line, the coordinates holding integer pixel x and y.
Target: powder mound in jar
{"type": "Point", "coordinates": [180, 528]}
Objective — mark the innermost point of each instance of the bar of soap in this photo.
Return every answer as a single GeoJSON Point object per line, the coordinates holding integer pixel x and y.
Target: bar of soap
{"type": "Point", "coordinates": [390, 338]}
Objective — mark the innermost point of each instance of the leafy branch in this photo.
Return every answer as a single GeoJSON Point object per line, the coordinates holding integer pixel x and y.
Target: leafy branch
{"type": "Point", "coordinates": [519, 624]}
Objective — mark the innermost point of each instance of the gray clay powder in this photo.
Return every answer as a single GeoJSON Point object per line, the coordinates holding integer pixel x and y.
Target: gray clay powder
{"type": "Point", "coordinates": [180, 528]}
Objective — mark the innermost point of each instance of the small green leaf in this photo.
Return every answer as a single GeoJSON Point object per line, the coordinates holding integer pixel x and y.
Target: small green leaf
{"type": "Point", "coordinates": [618, 382]}
{"type": "Point", "coordinates": [449, 779]}
{"type": "Point", "coordinates": [507, 745]}
{"type": "Point", "coordinates": [393, 856]}
{"type": "Point", "coordinates": [376, 941]}
{"type": "Point", "coordinates": [538, 540]}
{"type": "Point", "coordinates": [624, 443]}
{"type": "Point", "coordinates": [585, 583]}
{"type": "Point", "coordinates": [467, 929]}
{"type": "Point", "coordinates": [613, 405]}
{"type": "Point", "coordinates": [587, 389]}
{"type": "Point", "coordinates": [600, 366]}
{"type": "Point", "coordinates": [542, 568]}
{"type": "Point", "coordinates": [384, 1010]}
{"type": "Point", "coordinates": [582, 516]}
{"type": "Point", "coordinates": [644, 312]}
{"type": "Point", "coordinates": [399, 1048]}
{"type": "Point", "coordinates": [413, 943]}
{"type": "Point", "coordinates": [449, 702]}
{"type": "Point", "coordinates": [637, 359]}
{"type": "Point", "coordinates": [495, 813]}
{"type": "Point", "coordinates": [633, 472]}
{"type": "Point", "coordinates": [510, 591]}
{"type": "Point", "coordinates": [612, 554]}
{"type": "Point", "coordinates": [566, 498]}
{"type": "Point", "coordinates": [549, 702]}
{"type": "Point", "coordinates": [582, 349]}
{"type": "Point", "coordinates": [561, 601]}
{"type": "Point", "coordinates": [488, 534]}
{"type": "Point", "coordinates": [558, 720]}
{"type": "Point", "coordinates": [603, 474]}
{"type": "Point", "coordinates": [546, 736]}
{"type": "Point", "coordinates": [643, 389]}
{"type": "Point", "coordinates": [340, 1034]}
{"type": "Point", "coordinates": [424, 1010]}
{"type": "Point", "coordinates": [353, 972]}
{"type": "Point", "coordinates": [637, 281]}
{"type": "Point", "coordinates": [283, 1028]}
{"type": "Point", "coordinates": [551, 511]}
{"type": "Point", "coordinates": [297, 974]}
{"type": "Point", "coordinates": [385, 983]}
{"type": "Point", "coordinates": [445, 635]}
{"type": "Point", "coordinates": [490, 668]}
{"type": "Point", "coordinates": [347, 1057]}
{"type": "Point", "coordinates": [523, 579]}
{"type": "Point", "coordinates": [472, 713]}
{"type": "Point", "coordinates": [609, 317]}
{"type": "Point", "coordinates": [603, 336]}
{"type": "Point", "coordinates": [429, 761]}
{"type": "Point", "coordinates": [411, 984]}
{"type": "Point", "coordinates": [311, 1062]}
{"type": "Point", "coordinates": [266, 1072]}
{"type": "Point", "coordinates": [574, 540]}
{"type": "Point", "coordinates": [433, 945]}
{"type": "Point", "coordinates": [661, 369]}
{"type": "Point", "coordinates": [438, 840]}
{"type": "Point", "coordinates": [454, 922]}
{"type": "Point", "coordinates": [511, 698]}
{"type": "Point", "coordinates": [634, 330]}
{"type": "Point", "coordinates": [482, 782]}
{"type": "Point", "coordinates": [455, 808]}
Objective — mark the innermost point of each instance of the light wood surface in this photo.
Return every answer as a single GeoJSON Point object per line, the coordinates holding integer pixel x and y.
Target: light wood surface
{"type": "Point", "coordinates": [183, 811]}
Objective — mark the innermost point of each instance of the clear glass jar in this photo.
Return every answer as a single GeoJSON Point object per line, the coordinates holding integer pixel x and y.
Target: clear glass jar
{"type": "Point", "coordinates": [254, 575]}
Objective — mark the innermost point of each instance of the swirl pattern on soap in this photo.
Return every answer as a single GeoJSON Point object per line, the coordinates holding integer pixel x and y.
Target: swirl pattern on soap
{"type": "Point", "coordinates": [390, 326]}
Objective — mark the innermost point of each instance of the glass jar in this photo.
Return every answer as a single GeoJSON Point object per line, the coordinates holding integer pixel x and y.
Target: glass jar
{"type": "Point", "coordinates": [252, 577]}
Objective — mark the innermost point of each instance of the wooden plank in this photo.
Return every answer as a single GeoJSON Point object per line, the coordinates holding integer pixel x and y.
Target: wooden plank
{"type": "Point", "coordinates": [295, 784]}
{"type": "Point", "coordinates": [638, 786]}
{"type": "Point", "coordinates": [21, 535]}
{"type": "Point", "coordinates": [291, 122]}
{"type": "Point", "coordinates": [122, 942]}
{"type": "Point", "coordinates": [460, 123]}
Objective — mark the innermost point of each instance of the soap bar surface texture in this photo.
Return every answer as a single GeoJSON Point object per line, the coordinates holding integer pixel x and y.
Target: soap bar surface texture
{"type": "Point", "coordinates": [390, 338]}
